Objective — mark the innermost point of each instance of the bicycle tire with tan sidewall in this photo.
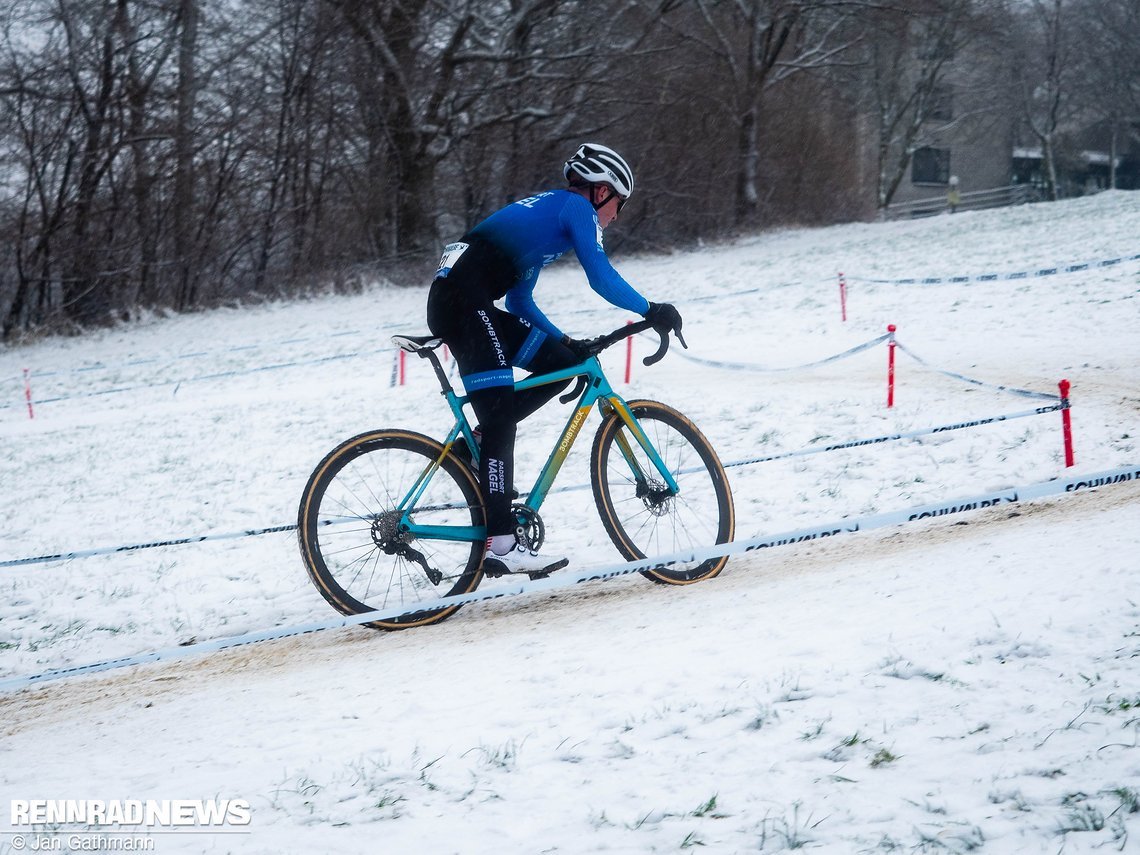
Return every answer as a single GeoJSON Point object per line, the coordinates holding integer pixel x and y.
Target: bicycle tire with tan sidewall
{"type": "Point", "coordinates": [347, 516]}
{"type": "Point", "coordinates": [644, 519]}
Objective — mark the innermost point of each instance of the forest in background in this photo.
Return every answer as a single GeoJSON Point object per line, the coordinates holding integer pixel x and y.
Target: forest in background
{"type": "Point", "coordinates": [180, 154]}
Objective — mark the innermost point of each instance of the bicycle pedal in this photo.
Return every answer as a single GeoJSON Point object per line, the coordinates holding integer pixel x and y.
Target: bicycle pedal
{"type": "Point", "coordinates": [542, 574]}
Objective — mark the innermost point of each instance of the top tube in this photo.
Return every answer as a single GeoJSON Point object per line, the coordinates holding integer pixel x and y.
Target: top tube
{"type": "Point", "coordinates": [590, 367]}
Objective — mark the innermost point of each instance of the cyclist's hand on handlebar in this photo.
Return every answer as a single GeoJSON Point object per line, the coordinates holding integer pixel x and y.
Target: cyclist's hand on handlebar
{"type": "Point", "coordinates": [582, 348]}
{"type": "Point", "coordinates": [665, 319]}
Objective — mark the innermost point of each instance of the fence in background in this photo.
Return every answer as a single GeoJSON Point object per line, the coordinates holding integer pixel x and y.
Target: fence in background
{"type": "Point", "coordinates": [975, 200]}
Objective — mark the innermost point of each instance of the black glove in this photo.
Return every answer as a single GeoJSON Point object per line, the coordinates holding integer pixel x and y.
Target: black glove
{"type": "Point", "coordinates": [582, 348]}
{"type": "Point", "coordinates": [665, 318]}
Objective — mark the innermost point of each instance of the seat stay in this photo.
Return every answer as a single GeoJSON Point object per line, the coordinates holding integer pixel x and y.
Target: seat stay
{"type": "Point", "coordinates": [412, 497]}
{"type": "Point", "coordinates": [410, 503]}
{"type": "Point", "coordinates": [462, 426]}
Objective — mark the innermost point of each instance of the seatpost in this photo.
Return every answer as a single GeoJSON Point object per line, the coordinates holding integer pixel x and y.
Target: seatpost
{"type": "Point", "coordinates": [444, 383]}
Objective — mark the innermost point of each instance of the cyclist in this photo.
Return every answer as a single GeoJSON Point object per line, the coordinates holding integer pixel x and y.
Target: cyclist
{"type": "Point", "coordinates": [502, 257]}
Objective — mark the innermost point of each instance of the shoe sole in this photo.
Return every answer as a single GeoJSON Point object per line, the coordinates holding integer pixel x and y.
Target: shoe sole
{"type": "Point", "coordinates": [495, 569]}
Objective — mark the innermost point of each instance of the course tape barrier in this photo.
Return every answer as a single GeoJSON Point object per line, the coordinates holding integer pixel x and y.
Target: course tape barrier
{"type": "Point", "coordinates": [1001, 277]}
{"type": "Point", "coordinates": [925, 280]}
{"type": "Point", "coordinates": [94, 368]}
{"type": "Point", "coordinates": [889, 336]}
{"type": "Point", "coordinates": [562, 581]}
{"type": "Point", "coordinates": [748, 366]}
{"type": "Point", "coordinates": [154, 544]}
{"type": "Point", "coordinates": [803, 452]}
{"type": "Point", "coordinates": [201, 378]}
{"type": "Point", "coordinates": [86, 370]}
{"type": "Point", "coordinates": [858, 443]}
{"type": "Point", "coordinates": [1025, 393]}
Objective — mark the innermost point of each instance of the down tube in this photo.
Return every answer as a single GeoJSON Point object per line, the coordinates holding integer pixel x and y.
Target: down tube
{"type": "Point", "coordinates": [558, 456]}
{"type": "Point", "coordinates": [627, 416]}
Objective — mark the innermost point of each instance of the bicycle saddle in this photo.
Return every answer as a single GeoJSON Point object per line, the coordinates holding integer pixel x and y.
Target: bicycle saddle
{"type": "Point", "coordinates": [416, 343]}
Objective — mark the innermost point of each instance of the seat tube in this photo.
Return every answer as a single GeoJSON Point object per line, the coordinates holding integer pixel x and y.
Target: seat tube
{"type": "Point", "coordinates": [596, 387]}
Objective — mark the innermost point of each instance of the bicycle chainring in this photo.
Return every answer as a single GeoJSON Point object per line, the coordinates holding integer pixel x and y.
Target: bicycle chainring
{"type": "Point", "coordinates": [530, 530]}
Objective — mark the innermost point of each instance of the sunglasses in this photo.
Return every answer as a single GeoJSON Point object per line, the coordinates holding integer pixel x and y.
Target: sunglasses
{"type": "Point", "coordinates": [613, 194]}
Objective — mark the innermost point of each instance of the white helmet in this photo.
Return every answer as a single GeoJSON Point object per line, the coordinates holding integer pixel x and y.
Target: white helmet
{"type": "Point", "coordinates": [598, 164]}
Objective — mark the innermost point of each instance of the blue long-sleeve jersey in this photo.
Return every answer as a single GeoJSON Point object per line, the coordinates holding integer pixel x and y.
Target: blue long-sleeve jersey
{"type": "Point", "coordinates": [533, 232]}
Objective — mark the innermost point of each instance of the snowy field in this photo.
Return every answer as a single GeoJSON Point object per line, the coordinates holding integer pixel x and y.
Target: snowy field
{"type": "Point", "coordinates": [970, 683]}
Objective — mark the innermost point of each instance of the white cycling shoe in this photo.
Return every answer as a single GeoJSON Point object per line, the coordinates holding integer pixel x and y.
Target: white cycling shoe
{"type": "Point", "coordinates": [521, 560]}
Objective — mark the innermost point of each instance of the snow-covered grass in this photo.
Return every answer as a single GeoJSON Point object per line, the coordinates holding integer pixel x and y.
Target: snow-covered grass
{"type": "Point", "coordinates": [955, 685]}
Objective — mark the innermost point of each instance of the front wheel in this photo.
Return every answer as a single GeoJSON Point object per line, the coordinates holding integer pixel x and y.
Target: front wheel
{"type": "Point", "coordinates": [353, 544]}
{"type": "Point", "coordinates": [642, 516]}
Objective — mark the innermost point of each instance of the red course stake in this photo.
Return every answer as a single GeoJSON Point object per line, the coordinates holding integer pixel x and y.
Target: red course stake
{"type": "Point", "coordinates": [1066, 422]}
{"type": "Point", "coordinates": [28, 392]}
{"type": "Point", "coordinates": [891, 366]}
{"type": "Point", "coordinates": [628, 355]}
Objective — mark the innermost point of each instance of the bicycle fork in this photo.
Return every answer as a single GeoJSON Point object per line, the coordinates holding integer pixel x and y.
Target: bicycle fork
{"type": "Point", "coordinates": [652, 495]}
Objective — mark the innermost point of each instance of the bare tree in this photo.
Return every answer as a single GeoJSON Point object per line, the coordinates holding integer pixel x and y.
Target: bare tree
{"type": "Point", "coordinates": [757, 45]}
{"type": "Point", "coordinates": [147, 44]}
{"type": "Point", "coordinates": [1044, 50]}
{"type": "Point", "coordinates": [88, 236]}
{"type": "Point", "coordinates": [490, 86]}
{"type": "Point", "coordinates": [186, 98]}
{"type": "Point", "coordinates": [1109, 70]}
{"type": "Point", "coordinates": [38, 153]}
{"type": "Point", "coordinates": [911, 54]}
{"type": "Point", "coordinates": [407, 55]}
{"type": "Point", "coordinates": [180, 153]}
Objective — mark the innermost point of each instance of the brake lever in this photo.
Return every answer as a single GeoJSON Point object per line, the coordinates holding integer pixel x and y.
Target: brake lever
{"type": "Point", "coordinates": [579, 387]}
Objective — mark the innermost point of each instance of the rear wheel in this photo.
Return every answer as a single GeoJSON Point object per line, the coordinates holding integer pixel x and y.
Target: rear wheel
{"type": "Point", "coordinates": [642, 516]}
{"type": "Point", "coordinates": [350, 535]}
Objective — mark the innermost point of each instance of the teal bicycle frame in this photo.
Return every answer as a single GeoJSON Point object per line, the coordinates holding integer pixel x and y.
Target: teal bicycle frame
{"type": "Point", "coordinates": [597, 391]}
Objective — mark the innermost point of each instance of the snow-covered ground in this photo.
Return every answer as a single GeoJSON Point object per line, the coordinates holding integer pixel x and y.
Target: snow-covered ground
{"type": "Point", "coordinates": [966, 683]}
